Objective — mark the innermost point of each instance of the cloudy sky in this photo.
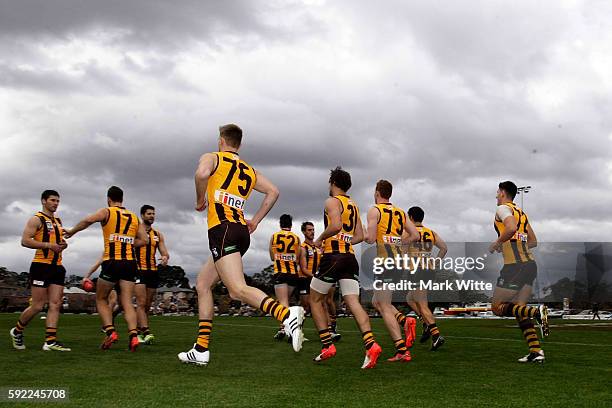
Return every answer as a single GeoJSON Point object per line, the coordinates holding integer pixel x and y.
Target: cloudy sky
{"type": "Point", "coordinates": [443, 98]}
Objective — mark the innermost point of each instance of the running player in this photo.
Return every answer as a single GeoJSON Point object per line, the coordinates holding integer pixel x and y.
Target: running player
{"type": "Point", "coordinates": [428, 238]}
{"type": "Point", "coordinates": [388, 228]}
{"type": "Point", "coordinates": [224, 182]}
{"type": "Point", "coordinates": [285, 253]}
{"type": "Point", "coordinates": [44, 233]}
{"type": "Point", "coordinates": [122, 232]}
{"type": "Point", "coordinates": [515, 283]}
{"type": "Point", "coordinates": [343, 229]}
{"type": "Point", "coordinates": [148, 279]}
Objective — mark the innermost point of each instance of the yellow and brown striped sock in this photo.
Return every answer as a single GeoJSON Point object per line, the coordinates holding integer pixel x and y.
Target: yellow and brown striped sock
{"type": "Point", "coordinates": [204, 331]}
{"type": "Point", "coordinates": [434, 331]}
{"type": "Point", "coordinates": [368, 339]}
{"type": "Point", "coordinates": [400, 346]}
{"type": "Point", "coordinates": [325, 337]}
{"type": "Point", "coordinates": [51, 335]}
{"type": "Point", "coordinates": [519, 311]}
{"type": "Point", "coordinates": [530, 335]}
{"type": "Point", "coordinates": [19, 327]}
{"type": "Point", "coordinates": [132, 333]}
{"type": "Point", "coordinates": [274, 308]}
{"type": "Point", "coordinates": [108, 329]}
{"type": "Point", "coordinates": [400, 317]}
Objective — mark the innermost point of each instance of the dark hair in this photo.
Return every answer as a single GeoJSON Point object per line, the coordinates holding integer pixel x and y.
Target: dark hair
{"type": "Point", "coordinates": [232, 134]}
{"type": "Point", "coordinates": [286, 221]}
{"type": "Point", "coordinates": [115, 194]}
{"type": "Point", "coordinates": [340, 179]}
{"type": "Point", "coordinates": [146, 207]}
{"type": "Point", "coordinates": [384, 188]}
{"type": "Point", "coordinates": [306, 224]}
{"type": "Point", "coordinates": [509, 187]}
{"type": "Point", "coordinates": [48, 193]}
{"type": "Point", "coordinates": [416, 213]}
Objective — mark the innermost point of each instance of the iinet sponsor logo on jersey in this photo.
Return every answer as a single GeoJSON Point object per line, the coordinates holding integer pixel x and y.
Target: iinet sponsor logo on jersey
{"type": "Point", "coordinates": [343, 236]}
{"type": "Point", "coordinates": [285, 257]}
{"type": "Point", "coordinates": [390, 239]}
{"type": "Point", "coordinates": [124, 239]}
{"type": "Point", "coordinates": [230, 200]}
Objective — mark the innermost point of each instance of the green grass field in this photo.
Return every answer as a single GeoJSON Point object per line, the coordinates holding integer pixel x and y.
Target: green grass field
{"type": "Point", "coordinates": [476, 367]}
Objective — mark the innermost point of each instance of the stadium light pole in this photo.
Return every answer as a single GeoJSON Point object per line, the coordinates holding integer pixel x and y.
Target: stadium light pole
{"type": "Point", "coordinates": [522, 191]}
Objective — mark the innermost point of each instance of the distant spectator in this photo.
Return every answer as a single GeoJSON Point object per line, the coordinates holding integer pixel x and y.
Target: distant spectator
{"type": "Point", "coordinates": [596, 311]}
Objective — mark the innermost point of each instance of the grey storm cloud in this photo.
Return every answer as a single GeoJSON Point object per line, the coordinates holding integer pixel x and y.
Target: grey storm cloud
{"type": "Point", "coordinates": [444, 99]}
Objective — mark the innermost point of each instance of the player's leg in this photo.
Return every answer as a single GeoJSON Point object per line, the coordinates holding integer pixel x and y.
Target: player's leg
{"type": "Point", "coordinates": [206, 280]}
{"type": "Point", "coordinates": [55, 295]}
{"type": "Point", "coordinates": [420, 298]}
{"type": "Point", "coordinates": [350, 294]}
{"type": "Point", "coordinates": [151, 293]}
{"type": "Point", "coordinates": [512, 279]}
{"type": "Point", "coordinates": [382, 302]}
{"type": "Point", "coordinates": [103, 291]}
{"type": "Point", "coordinates": [304, 291]}
{"type": "Point", "coordinates": [318, 291]}
{"type": "Point", "coordinates": [129, 312]}
{"type": "Point", "coordinates": [402, 318]}
{"type": "Point", "coordinates": [281, 291]}
{"type": "Point", "coordinates": [330, 302]}
{"type": "Point", "coordinates": [231, 273]}
{"type": "Point", "coordinates": [140, 290]}
{"type": "Point", "coordinates": [536, 354]}
{"type": "Point", "coordinates": [39, 299]}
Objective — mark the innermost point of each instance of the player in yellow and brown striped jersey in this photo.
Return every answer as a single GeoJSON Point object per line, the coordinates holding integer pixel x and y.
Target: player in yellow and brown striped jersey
{"type": "Point", "coordinates": [389, 228]}
{"type": "Point", "coordinates": [122, 233]}
{"type": "Point", "coordinates": [515, 284]}
{"type": "Point", "coordinates": [44, 233]}
{"type": "Point", "coordinates": [148, 279]}
{"type": "Point", "coordinates": [284, 251]}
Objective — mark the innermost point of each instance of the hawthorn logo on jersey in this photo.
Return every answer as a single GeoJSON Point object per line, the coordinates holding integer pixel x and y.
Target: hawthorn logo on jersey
{"type": "Point", "coordinates": [390, 239]}
{"type": "Point", "coordinates": [230, 200]}
{"type": "Point", "coordinates": [285, 257]}
{"type": "Point", "coordinates": [343, 236]}
{"type": "Point", "coordinates": [155, 238]}
{"type": "Point", "coordinates": [50, 227]}
{"type": "Point", "coordinates": [121, 238]}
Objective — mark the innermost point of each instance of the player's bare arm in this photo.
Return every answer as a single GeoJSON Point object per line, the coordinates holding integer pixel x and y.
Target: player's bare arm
{"type": "Point", "coordinates": [359, 234]}
{"type": "Point", "coordinates": [205, 168]}
{"type": "Point", "coordinates": [99, 216]}
{"type": "Point", "coordinates": [509, 231]}
{"type": "Point", "coordinates": [93, 268]}
{"type": "Point", "coordinates": [532, 240]}
{"type": "Point", "coordinates": [142, 238]}
{"type": "Point", "coordinates": [334, 213]}
{"type": "Point", "coordinates": [372, 217]}
{"type": "Point", "coordinates": [304, 264]}
{"type": "Point", "coordinates": [409, 232]}
{"type": "Point", "coordinates": [264, 186]}
{"type": "Point", "coordinates": [163, 250]}
{"type": "Point", "coordinates": [440, 244]}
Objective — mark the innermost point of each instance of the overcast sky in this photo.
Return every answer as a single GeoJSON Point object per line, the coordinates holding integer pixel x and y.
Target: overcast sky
{"type": "Point", "coordinates": [443, 98]}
